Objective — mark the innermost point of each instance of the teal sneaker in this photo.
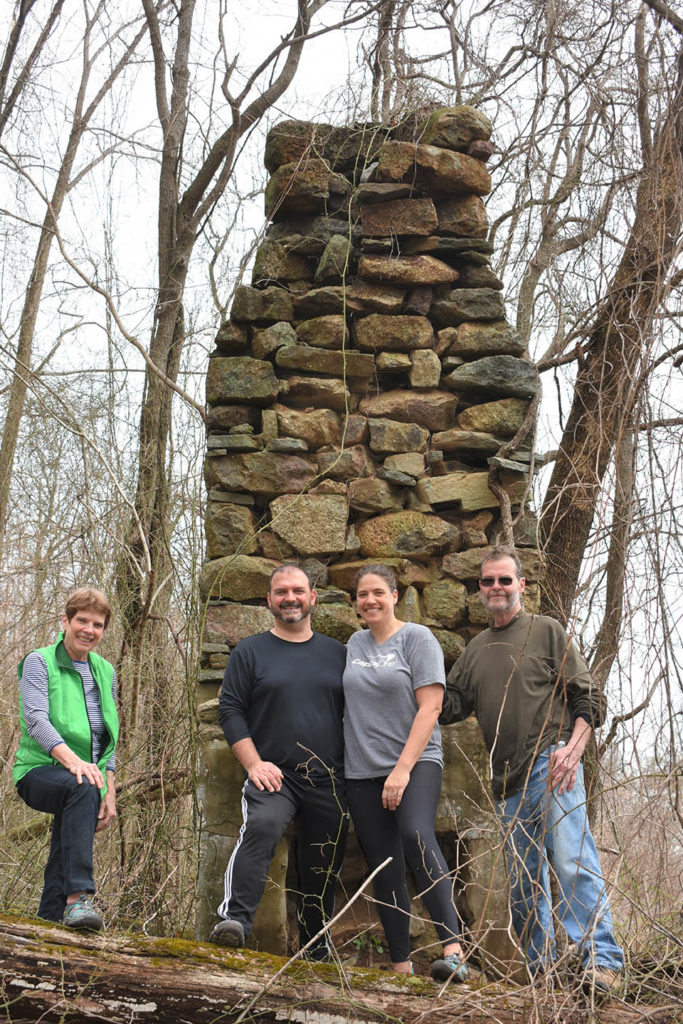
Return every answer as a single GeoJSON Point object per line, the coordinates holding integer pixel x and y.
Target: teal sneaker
{"type": "Point", "coordinates": [82, 914]}
{"type": "Point", "coordinates": [450, 968]}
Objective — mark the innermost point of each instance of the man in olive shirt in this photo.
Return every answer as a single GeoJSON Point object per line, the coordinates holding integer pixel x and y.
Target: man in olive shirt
{"type": "Point", "coordinates": [536, 705]}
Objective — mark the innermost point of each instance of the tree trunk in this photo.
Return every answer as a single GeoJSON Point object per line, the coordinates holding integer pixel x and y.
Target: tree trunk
{"type": "Point", "coordinates": [50, 973]}
{"type": "Point", "coordinates": [614, 362]}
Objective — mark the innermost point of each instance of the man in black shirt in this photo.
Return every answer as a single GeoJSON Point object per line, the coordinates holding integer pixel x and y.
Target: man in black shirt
{"type": "Point", "coordinates": [281, 707]}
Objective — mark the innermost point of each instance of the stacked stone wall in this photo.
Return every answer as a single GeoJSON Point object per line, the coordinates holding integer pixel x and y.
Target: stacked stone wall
{"type": "Point", "coordinates": [362, 388]}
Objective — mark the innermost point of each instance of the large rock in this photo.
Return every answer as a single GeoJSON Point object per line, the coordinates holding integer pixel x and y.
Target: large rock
{"type": "Point", "coordinates": [288, 141]}
{"type": "Point", "coordinates": [461, 304]}
{"type": "Point", "coordinates": [275, 263]}
{"type": "Point", "coordinates": [232, 338]}
{"type": "Point", "coordinates": [365, 297]}
{"type": "Point", "coordinates": [469, 490]}
{"type": "Point", "coordinates": [465, 565]}
{"type": "Point", "coordinates": [504, 376]}
{"type": "Point", "coordinates": [399, 217]}
{"type": "Point", "coordinates": [316, 427]}
{"type": "Point", "coordinates": [376, 333]}
{"type": "Point", "coordinates": [445, 602]}
{"type": "Point", "coordinates": [408, 533]}
{"type": "Point", "coordinates": [306, 391]}
{"type": "Point", "coordinates": [406, 270]}
{"type": "Point", "coordinates": [323, 332]}
{"type": "Point", "coordinates": [229, 528]}
{"type": "Point", "coordinates": [222, 418]}
{"type": "Point", "coordinates": [458, 440]}
{"type": "Point", "coordinates": [408, 464]}
{"type": "Point", "coordinates": [452, 645]}
{"type": "Point", "coordinates": [335, 262]}
{"type": "Point", "coordinates": [474, 340]}
{"type": "Point", "coordinates": [352, 147]}
{"type": "Point", "coordinates": [425, 372]}
{"type": "Point", "coordinates": [230, 623]}
{"type": "Point", "coordinates": [372, 495]}
{"type": "Point", "coordinates": [434, 410]}
{"type": "Point", "coordinates": [455, 128]}
{"type": "Point", "coordinates": [269, 339]}
{"type": "Point", "coordinates": [326, 301]}
{"type": "Point", "coordinates": [503, 417]}
{"type": "Point", "coordinates": [336, 620]}
{"type": "Point", "coordinates": [463, 215]}
{"type": "Point", "coordinates": [435, 170]}
{"type": "Point", "coordinates": [347, 464]}
{"type": "Point", "coordinates": [299, 189]}
{"type": "Point", "coordinates": [235, 578]}
{"type": "Point", "coordinates": [311, 524]}
{"type": "Point", "coordinates": [265, 473]}
{"type": "Point", "coordinates": [308, 236]}
{"type": "Point", "coordinates": [253, 305]}
{"type": "Point", "coordinates": [392, 437]}
{"type": "Point", "coordinates": [318, 360]}
{"type": "Point", "coordinates": [240, 379]}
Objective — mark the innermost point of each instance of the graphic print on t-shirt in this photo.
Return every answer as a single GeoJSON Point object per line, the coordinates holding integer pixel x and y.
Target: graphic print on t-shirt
{"type": "Point", "coordinates": [382, 661]}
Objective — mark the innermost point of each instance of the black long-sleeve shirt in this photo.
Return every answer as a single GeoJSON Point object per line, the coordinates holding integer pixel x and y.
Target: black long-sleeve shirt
{"type": "Point", "coordinates": [287, 697]}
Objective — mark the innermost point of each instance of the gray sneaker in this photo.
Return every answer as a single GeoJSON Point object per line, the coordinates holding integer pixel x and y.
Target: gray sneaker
{"type": "Point", "coordinates": [228, 933]}
{"type": "Point", "coordinates": [82, 914]}
{"type": "Point", "coordinates": [450, 968]}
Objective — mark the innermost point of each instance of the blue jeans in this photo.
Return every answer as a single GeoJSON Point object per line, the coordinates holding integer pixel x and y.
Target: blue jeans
{"type": "Point", "coordinates": [542, 826]}
{"type": "Point", "coordinates": [75, 807]}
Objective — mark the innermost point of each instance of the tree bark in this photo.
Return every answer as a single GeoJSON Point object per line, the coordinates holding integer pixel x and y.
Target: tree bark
{"type": "Point", "coordinates": [614, 362]}
{"type": "Point", "coordinates": [50, 973]}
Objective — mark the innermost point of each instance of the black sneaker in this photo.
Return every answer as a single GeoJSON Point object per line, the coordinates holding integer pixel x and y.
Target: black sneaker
{"type": "Point", "coordinates": [228, 933]}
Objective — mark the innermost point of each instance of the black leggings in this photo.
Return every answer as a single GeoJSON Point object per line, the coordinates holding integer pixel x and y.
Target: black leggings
{"type": "Point", "coordinates": [405, 834]}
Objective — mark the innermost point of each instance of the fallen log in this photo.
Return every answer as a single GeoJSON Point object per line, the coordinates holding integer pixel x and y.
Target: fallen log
{"type": "Point", "coordinates": [49, 973]}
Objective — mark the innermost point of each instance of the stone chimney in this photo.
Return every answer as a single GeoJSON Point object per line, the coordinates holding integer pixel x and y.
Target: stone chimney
{"type": "Point", "coordinates": [365, 384]}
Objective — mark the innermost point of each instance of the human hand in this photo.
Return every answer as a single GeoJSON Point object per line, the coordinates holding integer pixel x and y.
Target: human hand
{"type": "Point", "coordinates": [77, 766]}
{"type": "Point", "coordinates": [394, 788]}
{"type": "Point", "coordinates": [107, 811]}
{"type": "Point", "coordinates": [564, 766]}
{"type": "Point", "coordinates": [265, 775]}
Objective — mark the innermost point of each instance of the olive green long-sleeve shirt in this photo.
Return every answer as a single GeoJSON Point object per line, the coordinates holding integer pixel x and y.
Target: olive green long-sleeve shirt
{"type": "Point", "coordinates": [526, 684]}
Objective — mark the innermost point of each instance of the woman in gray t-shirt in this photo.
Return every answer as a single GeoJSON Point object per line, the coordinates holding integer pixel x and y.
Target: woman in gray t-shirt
{"type": "Point", "coordinates": [393, 690]}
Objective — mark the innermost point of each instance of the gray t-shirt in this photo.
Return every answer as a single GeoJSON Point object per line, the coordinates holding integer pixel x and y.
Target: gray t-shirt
{"type": "Point", "coordinates": [379, 693]}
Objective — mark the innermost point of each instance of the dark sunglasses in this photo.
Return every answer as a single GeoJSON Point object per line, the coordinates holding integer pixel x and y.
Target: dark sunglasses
{"type": "Point", "coordinates": [488, 581]}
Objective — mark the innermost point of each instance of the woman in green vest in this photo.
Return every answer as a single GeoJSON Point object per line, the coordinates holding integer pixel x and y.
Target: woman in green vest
{"type": "Point", "coordinates": [65, 762]}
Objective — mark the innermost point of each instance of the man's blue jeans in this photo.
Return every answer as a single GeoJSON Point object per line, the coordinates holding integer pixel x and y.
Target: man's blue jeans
{"type": "Point", "coordinates": [542, 826]}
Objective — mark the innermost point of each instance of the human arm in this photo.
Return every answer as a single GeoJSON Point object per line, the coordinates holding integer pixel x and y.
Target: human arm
{"type": "Point", "coordinates": [77, 766]}
{"type": "Point", "coordinates": [456, 707]}
{"type": "Point", "coordinates": [107, 811]}
{"type": "Point", "coordinates": [35, 705]}
{"type": "Point", "coordinates": [565, 760]}
{"type": "Point", "coordinates": [429, 699]}
{"type": "Point", "coordinates": [233, 714]}
{"type": "Point", "coordinates": [264, 774]}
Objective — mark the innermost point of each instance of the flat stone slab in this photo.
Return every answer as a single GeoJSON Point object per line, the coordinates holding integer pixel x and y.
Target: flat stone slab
{"type": "Point", "coordinates": [468, 490]}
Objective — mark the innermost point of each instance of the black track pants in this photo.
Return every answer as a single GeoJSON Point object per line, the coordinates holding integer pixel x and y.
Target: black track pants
{"type": "Point", "coordinates": [318, 810]}
{"type": "Point", "coordinates": [405, 834]}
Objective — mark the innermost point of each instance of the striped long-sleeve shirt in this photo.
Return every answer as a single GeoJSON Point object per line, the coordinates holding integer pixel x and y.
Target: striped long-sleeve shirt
{"type": "Point", "coordinates": [34, 699]}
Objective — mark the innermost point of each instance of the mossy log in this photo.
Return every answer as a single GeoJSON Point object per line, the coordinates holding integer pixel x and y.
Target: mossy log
{"type": "Point", "coordinates": [51, 973]}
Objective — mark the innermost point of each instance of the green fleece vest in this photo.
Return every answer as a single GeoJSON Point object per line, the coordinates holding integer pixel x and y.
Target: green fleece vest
{"type": "Point", "coordinates": [67, 711]}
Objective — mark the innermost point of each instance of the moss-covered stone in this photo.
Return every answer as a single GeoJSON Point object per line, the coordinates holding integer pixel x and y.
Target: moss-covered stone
{"type": "Point", "coordinates": [408, 533]}
{"type": "Point", "coordinates": [446, 602]}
